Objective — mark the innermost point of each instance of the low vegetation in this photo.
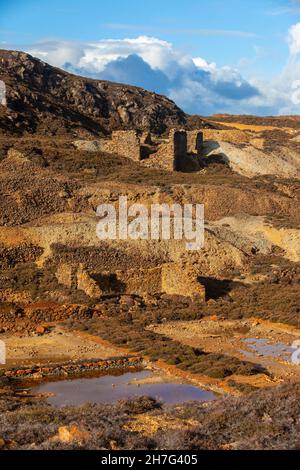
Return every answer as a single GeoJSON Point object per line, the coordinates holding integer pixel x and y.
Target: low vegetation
{"type": "Point", "coordinates": [126, 333]}
{"type": "Point", "coordinates": [267, 419]}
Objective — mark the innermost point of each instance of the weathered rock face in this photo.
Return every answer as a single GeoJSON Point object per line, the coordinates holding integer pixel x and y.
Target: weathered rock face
{"type": "Point", "coordinates": [44, 99]}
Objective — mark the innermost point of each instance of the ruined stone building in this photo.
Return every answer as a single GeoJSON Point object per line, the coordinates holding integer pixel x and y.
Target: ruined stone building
{"type": "Point", "coordinates": [181, 151]}
{"type": "Point", "coordinates": [168, 278]}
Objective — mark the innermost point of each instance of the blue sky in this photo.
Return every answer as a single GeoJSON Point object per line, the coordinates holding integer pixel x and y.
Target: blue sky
{"type": "Point", "coordinates": [236, 52]}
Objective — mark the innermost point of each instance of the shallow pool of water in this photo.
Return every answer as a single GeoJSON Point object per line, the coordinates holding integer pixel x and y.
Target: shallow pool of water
{"type": "Point", "coordinates": [262, 347]}
{"type": "Point", "coordinates": [111, 388]}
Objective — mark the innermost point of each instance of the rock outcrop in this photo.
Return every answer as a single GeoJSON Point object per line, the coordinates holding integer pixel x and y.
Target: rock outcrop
{"type": "Point", "coordinates": [46, 100]}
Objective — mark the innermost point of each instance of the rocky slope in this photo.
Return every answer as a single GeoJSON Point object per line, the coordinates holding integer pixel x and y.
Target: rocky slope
{"type": "Point", "coordinates": [46, 100]}
{"type": "Point", "coordinates": [256, 149]}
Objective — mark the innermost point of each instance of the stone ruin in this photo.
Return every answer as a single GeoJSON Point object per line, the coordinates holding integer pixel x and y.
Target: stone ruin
{"type": "Point", "coordinates": [168, 278]}
{"type": "Point", "coordinates": [124, 143]}
{"type": "Point", "coordinates": [181, 151]}
{"type": "Point", "coordinates": [194, 142]}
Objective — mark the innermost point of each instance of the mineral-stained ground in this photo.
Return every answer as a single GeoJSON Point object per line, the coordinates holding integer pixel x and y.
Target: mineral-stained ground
{"type": "Point", "coordinates": [223, 318]}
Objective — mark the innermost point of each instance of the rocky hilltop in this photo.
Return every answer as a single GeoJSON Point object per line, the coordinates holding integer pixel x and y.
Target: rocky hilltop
{"type": "Point", "coordinates": [46, 100]}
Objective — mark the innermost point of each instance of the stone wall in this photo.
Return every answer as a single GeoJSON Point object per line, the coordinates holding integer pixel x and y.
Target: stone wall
{"type": "Point", "coordinates": [171, 153]}
{"type": "Point", "coordinates": [66, 275]}
{"type": "Point", "coordinates": [194, 142]}
{"type": "Point", "coordinates": [73, 367]}
{"type": "Point", "coordinates": [181, 280]}
{"type": "Point", "coordinates": [172, 279]}
{"type": "Point", "coordinates": [141, 281]}
{"type": "Point", "coordinates": [86, 283]}
{"type": "Point", "coordinates": [177, 153]}
{"type": "Point", "coordinates": [123, 143]}
{"type": "Point", "coordinates": [77, 277]}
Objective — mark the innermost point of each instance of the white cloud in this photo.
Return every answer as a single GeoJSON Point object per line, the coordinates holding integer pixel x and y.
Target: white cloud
{"type": "Point", "coordinates": [204, 65]}
{"type": "Point", "coordinates": [93, 57]}
{"type": "Point", "coordinates": [294, 39]}
{"type": "Point", "coordinates": [196, 85]}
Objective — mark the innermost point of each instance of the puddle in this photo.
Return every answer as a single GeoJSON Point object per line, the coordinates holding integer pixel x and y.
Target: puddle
{"type": "Point", "coordinates": [262, 347]}
{"type": "Point", "coordinates": [111, 388]}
